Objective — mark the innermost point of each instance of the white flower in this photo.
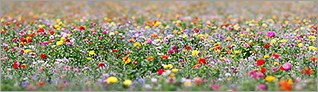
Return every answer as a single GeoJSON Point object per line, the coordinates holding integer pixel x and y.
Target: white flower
{"type": "Point", "coordinates": [154, 80]}
{"type": "Point", "coordinates": [227, 74]}
{"type": "Point", "coordinates": [148, 86]}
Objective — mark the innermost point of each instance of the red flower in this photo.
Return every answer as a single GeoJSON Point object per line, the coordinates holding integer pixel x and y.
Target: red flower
{"type": "Point", "coordinates": [281, 68]}
{"type": "Point", "coordinates": [160, 71]}
{"type": "Point", "coordinates": [101, 64]}
{"type": "Point", "coordinates": [188, 48]}
{"type": "Point", "coordinates": [51, 32]}
{"type": "Point", "coordinates": [202, 60]}
{"type": "Point", "coordinates": [135, 63]}
{"type": "Point", "coordinates": [307, 71]}
{"type": "Point", "coordinates": [16, 65]}
{"type": "Point", "coordinates": [196, 30]}
{"type": "Point", "coordinates": [41, 30]}
{"type": "Point", "coordinates": [276, 55]}
{"type": "Point", "coordinates": [22, 39]}
{"type": "Point", "coordinates": [263, 70]}
{"type": "Point", "coordinates": [164, 56]}
{"type": "Point", "coordinates": [43, 56]}
{"type": "Point", "coordinates": [114, 50]}
{"type": "Point", "coordinates": [267, 45]}
{"type": "Point", "coordinates": [81, 28]}
{"type": "Point", "coordinates": [260, 62]}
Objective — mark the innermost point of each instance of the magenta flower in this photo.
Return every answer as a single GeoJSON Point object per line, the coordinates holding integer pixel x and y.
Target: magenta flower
{"type": "Point", "coordinates": [261, 87]}
{"type": "Point", "coordinates": [271, 34]}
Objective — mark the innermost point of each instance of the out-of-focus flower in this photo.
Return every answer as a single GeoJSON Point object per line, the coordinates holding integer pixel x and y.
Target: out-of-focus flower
{"type": "Point", "coordinates": [127, 83]}
{"type": "Point", "coordinates": [111, 79]}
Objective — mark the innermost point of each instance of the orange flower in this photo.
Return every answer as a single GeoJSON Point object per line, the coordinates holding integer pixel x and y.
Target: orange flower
{"type": "Point", "coordinates": [313, 58]}
{"type": "Point", "coordinates": [164, 56]}
{"type": "Point", "coordinates": [307, 71]}
{"type": "Point", "coordinates": [23, 66]}
{"type": "Point", "coordinates": [285, 85]}
{"type": "Point", "coordinates": [150, 58]}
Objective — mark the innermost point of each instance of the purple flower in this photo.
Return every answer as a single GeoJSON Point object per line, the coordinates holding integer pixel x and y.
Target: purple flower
{"type": "Point", "coordinates": [24, 84]}
{"type": "Point", "coordinates": [271, 34]}
{"type": "Point", "coordinates": [287, 66]}
{"type": "Point", "coordinates": [261, 86]}
{"type": "Point", "coordinates": [275, 69]}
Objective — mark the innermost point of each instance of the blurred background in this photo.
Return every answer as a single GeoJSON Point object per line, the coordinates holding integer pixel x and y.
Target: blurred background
{"type": "Point", "coordinates": [163, 9]}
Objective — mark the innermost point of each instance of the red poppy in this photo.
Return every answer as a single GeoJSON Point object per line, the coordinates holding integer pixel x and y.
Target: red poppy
{"type": "Point", "coordinates": [260, 62]}
{"type": "Point", "coordinates": [16, 65]}
{"type": "Point", "coordinates": [276, 55]}
{"type": "Point", "coordinates": [43, 56]}
{"type": "Point", "coordinates": [229, 47]}
{"type": "Point", "coordinates": [160, 71]}
{"type": "Point", "coordinates": [202, 60]}
{"type": "Point", "coordinates": [81, 28]}
{"type": "Point", "coordinates": [41, 30]}
{"type": "Point", "coordinates": [267, 45]}
{"type": "Point", "coordinates": [101, 64]}
{"type": "Point", "coordinates": [263, 70]}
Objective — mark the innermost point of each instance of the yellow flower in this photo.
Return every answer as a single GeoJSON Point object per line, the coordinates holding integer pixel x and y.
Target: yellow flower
{"type": "Point", "coordinates": [273, 41]}
{"type": "Point", "coordinates": [126, 60]}
{"type": "Point", "coordinates": [187, 83]}
{"type": "Point", "coordinates": [169, 66]}
{"type": "Point", "coordinates": [89, 58]}
{"type": "Point", "coordinates": [276, 63]}
{"type": "Point", "coordinates": [59, 43]}
{"type": "Point", "coordinates": [300, 45]}
{"type": "Point", "coordinates": [27, 50]}
{"type": "Point", "coordinates": [312, 48]}
{"type": "Point", "coordinates": [127, 83]}
{"type": "Point", "coordinates": [111, 79]}
{"type": "Point", "coordinates": [137, 44]}
{"type": "Point", "coordinates": [312, 38]}
{"type": "Point", "coordinates": [195, 53]}
{"type": "Point", "coordinates": [174, 70]}
{"type": "Point", "coordinates": [237, 51]}
{"type": "Point", "coordinates": [270, 78]}
{"type": "Point", "coordinates": [228, 79]}
{"type": "Point", "coordinates": [159, 37]}
{"type": "Point", "coordinates": [62, 39]}
{"type": "Point", "coordinates": [266, 56]}
{"type": "Point", "coordinates": [92, 52]}
{"type": "Point", "coordinates": [284, 40]}
{"type": "Point", "coordinates": [228, 38]}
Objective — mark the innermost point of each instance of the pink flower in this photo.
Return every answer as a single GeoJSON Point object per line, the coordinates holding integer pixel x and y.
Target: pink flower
{"type": "Point", "coordinates": [262, 86]}
{"type": "Point", "coordinates": [67, 68]}
{"type": "Point", "coordinates": [287, 66]}
{"type": "Point", "coordinates": [215, 87]}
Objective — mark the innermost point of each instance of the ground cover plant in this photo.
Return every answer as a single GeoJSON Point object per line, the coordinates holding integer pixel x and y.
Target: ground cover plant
{"type": "Point", "coordinates": [158, 45]}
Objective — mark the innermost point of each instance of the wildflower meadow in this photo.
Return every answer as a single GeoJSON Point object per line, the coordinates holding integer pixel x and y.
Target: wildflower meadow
{"type": "Point", "coordinates": [158, 45]}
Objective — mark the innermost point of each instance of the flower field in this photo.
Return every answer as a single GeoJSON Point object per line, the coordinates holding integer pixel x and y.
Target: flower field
{"type": "Point", "coordinates": [159, 46]}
